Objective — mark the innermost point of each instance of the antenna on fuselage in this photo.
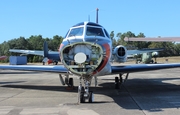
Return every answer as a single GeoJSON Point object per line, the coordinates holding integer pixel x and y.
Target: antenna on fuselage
{"type": "Point", "coordinates": [89, 18]}
{"type": "Point", "coordinates": [97, 15]}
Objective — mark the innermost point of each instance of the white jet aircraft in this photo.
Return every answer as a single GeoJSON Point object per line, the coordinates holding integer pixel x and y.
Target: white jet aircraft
{"type": "Point", "coordinates": [47, 55]}
{"type": "Point", "coordinates": [86, 52]}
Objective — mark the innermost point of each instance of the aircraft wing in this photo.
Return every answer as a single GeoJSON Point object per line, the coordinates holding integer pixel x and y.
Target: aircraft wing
{"type": "Point", "coordinates": [142, 67]}
{"type": "Point", "coordinates": [115, 69]}
{"type": "Point", "coordinates": [130, 52]}
{"type": "Point", "coordinates": [51, 69]}
{"type": "Point", "coordinates": [33, 52]}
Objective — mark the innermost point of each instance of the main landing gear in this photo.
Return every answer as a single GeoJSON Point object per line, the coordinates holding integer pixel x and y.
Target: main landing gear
{"type": "Point", "coordinates": [119, 80]}
{"type": "Point", "coordinates": [68, 81]}
{"type": "Point", "coordinates": [84, 93]}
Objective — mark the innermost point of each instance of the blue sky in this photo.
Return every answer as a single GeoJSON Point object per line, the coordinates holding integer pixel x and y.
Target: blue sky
{"type": "Point", "coordinates": [54, 17]}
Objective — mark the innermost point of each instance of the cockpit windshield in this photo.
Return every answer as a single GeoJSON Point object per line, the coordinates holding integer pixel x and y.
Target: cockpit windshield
{"type": "Point", "coordinates": [92, 31]}
{"type": "Point", "coordinates": [76, 32]}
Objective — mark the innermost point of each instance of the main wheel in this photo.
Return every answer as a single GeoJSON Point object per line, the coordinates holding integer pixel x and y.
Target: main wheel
{"type": "Point", "coordinates": [55, 62]}
{"type": "Point", "coordinates": [121, 80]}
{"type": "Point", "coordinates": [82, 99]}
{"type": "Point", "coordinates": [116, 83]}
{"type": "Point", "coordinates": [91, 97]}
{"type": "Point", "coordinates": [71, 82]}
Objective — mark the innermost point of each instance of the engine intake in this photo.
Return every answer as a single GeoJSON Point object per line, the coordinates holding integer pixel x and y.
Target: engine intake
{"type": "Point", "coordinates": [120, 54]}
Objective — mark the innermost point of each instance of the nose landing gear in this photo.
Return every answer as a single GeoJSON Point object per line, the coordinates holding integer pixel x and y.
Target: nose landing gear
{"type": "Point", "coordinates": [84, 93]}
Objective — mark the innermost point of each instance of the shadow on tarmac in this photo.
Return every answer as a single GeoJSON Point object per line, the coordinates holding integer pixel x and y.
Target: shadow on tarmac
{"type": "Point", "coordinates": [147, 94]}
{"type": "Point", "coordinates": [4, 82]}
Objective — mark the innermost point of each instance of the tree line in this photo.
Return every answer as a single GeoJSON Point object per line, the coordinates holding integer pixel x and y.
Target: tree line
{"type": "Point", "coordinates": [170, 48]}
{"type": "Point", "coordinates": [35, 42]}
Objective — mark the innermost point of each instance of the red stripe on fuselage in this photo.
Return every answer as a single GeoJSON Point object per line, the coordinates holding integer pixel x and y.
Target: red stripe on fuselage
{"type": "Point", "coordinates": [60, 48]}
{"type": "Point", "coordinates": [105, 60]}
{"type": "Point", "coordinates": [61, 45]}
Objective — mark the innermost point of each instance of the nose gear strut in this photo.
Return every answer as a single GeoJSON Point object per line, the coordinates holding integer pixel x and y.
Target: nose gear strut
{"type": "Point", "coordinates": [84, 93]}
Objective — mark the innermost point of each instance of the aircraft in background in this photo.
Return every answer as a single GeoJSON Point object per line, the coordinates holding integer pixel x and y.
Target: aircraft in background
{"type": "Point", "coordinates": [48, 56]}
{"type": "Point", "coordinates": [149, 39]}
{"type": "Point", "coordinates": [3, 57]}
{"type": "Point", "coordinates": [147, 57]}
{"type": "Point", "coordinates": [158, 39]}
{"type": "Point", "coordinates": [131, 54]}
{"type": "Point", "coordinates": [86, 52]}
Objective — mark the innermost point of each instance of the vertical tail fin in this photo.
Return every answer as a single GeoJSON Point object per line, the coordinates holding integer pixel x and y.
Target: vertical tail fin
{"type": "Point", "coordinates": [45, 48]}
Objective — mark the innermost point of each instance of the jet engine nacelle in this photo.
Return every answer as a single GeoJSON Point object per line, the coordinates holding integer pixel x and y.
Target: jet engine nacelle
{"type": "Point", "coordinates": [120, 54]}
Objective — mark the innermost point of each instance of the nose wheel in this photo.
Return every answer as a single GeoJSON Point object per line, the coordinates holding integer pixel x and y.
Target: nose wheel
{"type": "Point", "coordinates": [86, 97]}
{"type": "Point", "coordinates": [91, 97]}
{"type": "Point", "coordinates": [81, 94]}
{"type": "Point", "coordinates": [84, 94]}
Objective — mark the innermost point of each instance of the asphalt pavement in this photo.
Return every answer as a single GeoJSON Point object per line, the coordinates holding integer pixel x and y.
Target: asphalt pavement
{"type": "Point", "coordinates": [144, 93]}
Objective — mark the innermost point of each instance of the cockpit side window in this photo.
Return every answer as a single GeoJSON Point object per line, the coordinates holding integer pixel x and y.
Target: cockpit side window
{"type": "Point", "coordinates": [106, 33]}
{"type": "Point", "coordinates": [92, 31]}
{"type": "Point", "coordinates": [76, 32]}
{"type": "Point", "coordinates": [66, 34]}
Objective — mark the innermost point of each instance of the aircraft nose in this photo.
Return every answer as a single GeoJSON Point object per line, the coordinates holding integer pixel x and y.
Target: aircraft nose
{"type": "Point", "coordinates": [82, 58]}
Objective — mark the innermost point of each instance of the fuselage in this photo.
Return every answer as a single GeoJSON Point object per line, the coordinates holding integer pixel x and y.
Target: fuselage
{"type": "Point", "coordinates": [86, 50]}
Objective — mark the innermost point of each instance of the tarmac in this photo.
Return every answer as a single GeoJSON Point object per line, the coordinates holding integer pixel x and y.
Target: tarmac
{"type": "Point", "coordinates": [144, 93]}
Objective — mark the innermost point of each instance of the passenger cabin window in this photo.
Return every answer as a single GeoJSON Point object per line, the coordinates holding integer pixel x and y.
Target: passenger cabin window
{"type": "Point", "coordinates": [92, 31]}
{"type": "Point", "coordinates": [76, 32]}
